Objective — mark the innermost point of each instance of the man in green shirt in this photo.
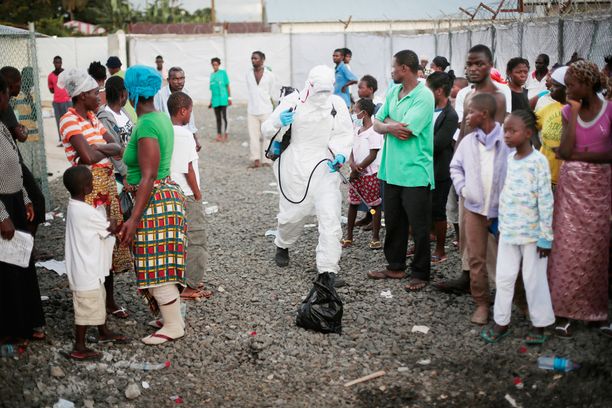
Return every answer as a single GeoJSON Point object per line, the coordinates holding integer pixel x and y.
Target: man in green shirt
{"type": "Point", "coordinates": [406, 120]}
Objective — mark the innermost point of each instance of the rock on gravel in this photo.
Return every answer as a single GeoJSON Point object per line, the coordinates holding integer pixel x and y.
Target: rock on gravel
{"type": "Point", "coordinates": [132, 391]}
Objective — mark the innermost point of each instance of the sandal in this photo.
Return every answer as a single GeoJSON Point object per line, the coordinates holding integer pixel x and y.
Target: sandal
{"type": "Point", "coordinates": [87, 355]}
{"type": "Point", "coordinates": [120, 313]}
{"type": "Point", "coordinates": [192, 296]}
{"type": "Point", "coordinates": [435, 259]}
{"type": "Point", "coordinates": [346, 243]}
{"type": "Point", "coordinates": [607, 330]}
{"type": "Point", "coordinates": [207, 293]}
{"type": "Point", "coordinates": [39, 335]}
{"type": "Point", "coordinates": [410, 252]}
{"type": "Point", "coordinates": [489, 335]}
{"type": "Point", "coordinates": [158, 324]}
{"type": "Point", "coordinates": [564, 330]}
{"type": "Point", "coordinates": [150, 339]}
{"type": "Point", "coordinates": [415, 285]}
{"type": "Point", "coordinates": [533, 339]}
{"type": "Point", "coordinates": [375, 244]}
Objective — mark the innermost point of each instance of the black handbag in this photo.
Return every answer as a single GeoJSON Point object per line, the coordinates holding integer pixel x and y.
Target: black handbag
{"type": "Point", "coordinates": [126, 202]}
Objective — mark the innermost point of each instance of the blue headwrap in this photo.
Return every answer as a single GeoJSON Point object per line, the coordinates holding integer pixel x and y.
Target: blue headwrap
{"type": "Point", "coordinates": [141, 80]}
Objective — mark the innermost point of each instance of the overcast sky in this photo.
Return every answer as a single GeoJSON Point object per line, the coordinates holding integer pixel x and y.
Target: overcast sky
{"type": "Point", "coordinates": [250, 10]}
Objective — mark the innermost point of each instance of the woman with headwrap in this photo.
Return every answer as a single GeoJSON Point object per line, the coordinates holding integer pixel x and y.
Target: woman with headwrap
{"type": "Point", "coordinates": [86, 142]}
{"type": "Point", "coordinates": [156, 227]}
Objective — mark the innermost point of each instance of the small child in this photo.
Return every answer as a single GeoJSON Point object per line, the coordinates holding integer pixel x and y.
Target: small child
{"type": "Point", "coordinates": [89, 250]}
{"type": "Point", "coordinates": [185, 172]}
{"type": "Point", "coordinates": [364, 163]}
{"type": "Point", "coordinates": [478, 170]}
{"type": "Point", "coordinates": [525, 226]}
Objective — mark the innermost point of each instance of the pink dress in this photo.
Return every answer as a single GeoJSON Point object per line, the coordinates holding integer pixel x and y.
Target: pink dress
{"type": "Point", "coordinates": [578, 264]}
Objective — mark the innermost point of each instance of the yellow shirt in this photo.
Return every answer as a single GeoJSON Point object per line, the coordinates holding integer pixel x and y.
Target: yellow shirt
{"type": "Point", "coordinates": [550, 126]}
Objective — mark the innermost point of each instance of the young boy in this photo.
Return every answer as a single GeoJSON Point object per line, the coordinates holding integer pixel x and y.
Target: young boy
{"type": "Point", "coordinates": [185, 172]}
{"type": "Point", "coordinates": [525, 226]}
{"type": "Point", "coordinates": [478, 170]}
{"type": "Point", "coordinates": [89, 250]}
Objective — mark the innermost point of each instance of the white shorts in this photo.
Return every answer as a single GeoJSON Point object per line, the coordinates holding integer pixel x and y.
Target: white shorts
{"type": "Point", "coordinates": [89, 307]}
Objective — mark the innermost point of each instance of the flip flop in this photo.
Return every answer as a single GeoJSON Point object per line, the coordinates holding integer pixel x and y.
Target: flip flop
{"type": "Point", "coordinates": [375, 244]}
{"type": "Point", "coordinates": [533, 339]}
{"type": "Point", "coordinates": [607, 330]}
{"type": "Point", "coordinates": [410, 252]}
{"type": "Point", "coordinates": [159, 336]}
{"type": "Point", "coordinates": [158, 324]}
{"type": "Point", "coordinates": [489, 336]}
{"type": "Point", "coordinates": [564, 331]}
{"type": "Point", "coordinates": [435, 259]}
{"type": "Point", "coordinates": [346, 243]}
{"type": "Point", "coordinates": [39, 335]}
{"type": "Point", "coordinates": [193, 296]}
{"type": "Point", "coordinates": [89, 355]}
{"type": "Point", "coordinates": [120, 313]}
{"type": "Point", "coordinates": [415, 285]}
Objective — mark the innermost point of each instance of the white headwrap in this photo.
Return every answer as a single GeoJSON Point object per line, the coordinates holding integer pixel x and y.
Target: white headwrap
{"type": "Point", "coordinates": [76, 81]}
{"type": "Point", "coordinates": [558, 75]}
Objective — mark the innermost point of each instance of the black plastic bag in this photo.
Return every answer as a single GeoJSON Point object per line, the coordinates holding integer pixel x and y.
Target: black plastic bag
{"type": "Point", "coordinates": [322, 309]}
{"type": "Point", "coordinates": [126, 203]}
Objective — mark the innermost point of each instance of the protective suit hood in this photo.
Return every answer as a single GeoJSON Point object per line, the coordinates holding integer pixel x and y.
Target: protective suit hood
{"type": "Point", "coordinates": [319, 87]}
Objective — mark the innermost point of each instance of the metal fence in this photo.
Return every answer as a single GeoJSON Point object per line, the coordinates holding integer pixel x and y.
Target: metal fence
{"type": "Point", "coordinates": [18, 49]}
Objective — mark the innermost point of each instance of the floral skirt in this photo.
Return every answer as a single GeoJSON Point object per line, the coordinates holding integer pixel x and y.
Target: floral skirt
{"type": "Point", "coordinates": [105, 193]}
{"type": "Point", "coordinates": [578, 263]}
{"type": "Point", "coordinates": [369, 188]}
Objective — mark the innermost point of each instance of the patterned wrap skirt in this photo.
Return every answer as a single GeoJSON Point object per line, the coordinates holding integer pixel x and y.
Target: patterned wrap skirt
{"type": "Point", "coordinates": [369, 188]}
{"type": "Point", "coordinates": [159, 243]}
{"type": "Point", "coordinates": [105, 193]}
{"type": "Point", "coordinates": [578, 264]}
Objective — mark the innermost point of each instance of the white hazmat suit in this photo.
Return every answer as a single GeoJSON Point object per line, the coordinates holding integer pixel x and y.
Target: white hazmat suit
{"type": "Point", "coordinates": [321, 122]}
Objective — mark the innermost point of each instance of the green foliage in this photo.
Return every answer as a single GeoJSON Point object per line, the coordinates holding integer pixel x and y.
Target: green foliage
{"type": "Point", "coordinates": [49, 15]}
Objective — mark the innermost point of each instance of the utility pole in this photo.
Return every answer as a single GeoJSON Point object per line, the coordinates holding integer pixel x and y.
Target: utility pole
{"type": "Point", "coordinates": [213, 12]}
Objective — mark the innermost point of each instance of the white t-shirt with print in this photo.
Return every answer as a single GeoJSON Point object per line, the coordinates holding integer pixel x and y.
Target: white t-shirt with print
{"type": "Point", "coordinates": [463, 93]}
{"type": "Point", "coordinates": [183, 154]}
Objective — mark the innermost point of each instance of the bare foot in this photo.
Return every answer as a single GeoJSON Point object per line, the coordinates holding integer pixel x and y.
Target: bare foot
{"type": "Point", "coordinates": [255, 164]}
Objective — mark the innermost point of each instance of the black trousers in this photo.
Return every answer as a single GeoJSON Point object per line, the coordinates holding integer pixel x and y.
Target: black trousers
{"type": "Point", "coordinates": [219, 112]}
{"type": "Point", "coordinates": [407, 207]}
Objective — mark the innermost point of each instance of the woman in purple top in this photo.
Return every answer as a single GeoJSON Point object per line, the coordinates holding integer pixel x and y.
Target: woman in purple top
{"type": "Point", "coordinates": [578, 266]}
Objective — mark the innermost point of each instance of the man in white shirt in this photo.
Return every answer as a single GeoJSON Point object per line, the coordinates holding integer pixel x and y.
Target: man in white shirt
{"type": "Point", "coordinates": [261, 87]}
{"type": "Point", "coordinates": [176, 83]}
{"type": "Point", "coordinates": [185, 172]}
{"type": "Point", "coordinates": [536, 80]}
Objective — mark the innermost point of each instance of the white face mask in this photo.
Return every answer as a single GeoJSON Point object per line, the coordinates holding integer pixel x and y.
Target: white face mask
{"type": "Point", "coordinates": [319, 98]}
{"type": "Point", "coordinates": [357, 122]}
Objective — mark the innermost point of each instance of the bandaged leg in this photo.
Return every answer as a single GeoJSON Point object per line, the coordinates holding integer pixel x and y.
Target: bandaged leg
{"type": "Point", "coordinates": [167, 297]}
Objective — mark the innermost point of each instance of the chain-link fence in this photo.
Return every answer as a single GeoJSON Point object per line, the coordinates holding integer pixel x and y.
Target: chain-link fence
{"type": "Point", "coordinates": [579, 35]}
{"type": "Point", "coordinates": [18, 49]}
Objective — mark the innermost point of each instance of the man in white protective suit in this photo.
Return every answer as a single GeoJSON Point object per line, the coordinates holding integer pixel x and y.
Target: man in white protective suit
{"type": "Point", "coordinates": [321, 128]}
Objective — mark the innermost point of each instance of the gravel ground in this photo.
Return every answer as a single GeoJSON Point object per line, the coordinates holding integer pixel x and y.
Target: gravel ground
{"type": "Point", "coordinates": [242, 347]}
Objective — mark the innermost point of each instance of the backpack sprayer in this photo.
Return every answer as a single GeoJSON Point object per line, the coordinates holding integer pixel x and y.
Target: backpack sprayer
{"type": "Point", "coordinates": [275, 150]}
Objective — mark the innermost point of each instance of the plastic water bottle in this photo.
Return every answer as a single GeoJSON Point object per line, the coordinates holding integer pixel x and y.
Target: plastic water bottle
{"type": "Point", "coordinates": [557, 364]}
{"type": "Point", "coordinates": [7, 350]}
{"type": "Point", "coordinates": [149, 366]}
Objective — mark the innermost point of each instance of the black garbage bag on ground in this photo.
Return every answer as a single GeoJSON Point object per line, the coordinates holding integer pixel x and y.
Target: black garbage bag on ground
{"type": "Point", "coordinates": [322, 309]}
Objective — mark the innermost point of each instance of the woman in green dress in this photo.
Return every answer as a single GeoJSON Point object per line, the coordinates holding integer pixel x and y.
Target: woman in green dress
{"type": "Point", "coordinates": [220, 98]}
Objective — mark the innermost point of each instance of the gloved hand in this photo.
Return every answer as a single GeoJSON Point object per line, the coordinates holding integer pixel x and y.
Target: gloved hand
{"type": "Point", "coordinates": [337, 163]}
{"type": "Point", "coordinates": [286, 117]}
{"type": "Point", "coordinates": [543, 93]}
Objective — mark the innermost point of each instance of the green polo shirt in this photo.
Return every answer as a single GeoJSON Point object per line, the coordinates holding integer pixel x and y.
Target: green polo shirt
{"type": "Point", "coordinates": [409, 163]}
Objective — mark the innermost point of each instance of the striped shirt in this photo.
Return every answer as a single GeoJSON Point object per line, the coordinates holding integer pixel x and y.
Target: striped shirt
{"type": "Point", "coordinates": [72, 124]}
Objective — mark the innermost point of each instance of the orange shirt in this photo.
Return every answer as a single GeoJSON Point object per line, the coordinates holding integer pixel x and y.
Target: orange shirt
{"type": "Point", "coordinates": [72, 124]}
